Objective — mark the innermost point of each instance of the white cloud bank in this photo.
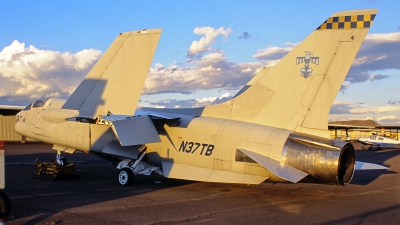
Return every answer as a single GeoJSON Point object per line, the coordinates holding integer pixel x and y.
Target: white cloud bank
{"type": "Point", "coordinates": [378, 52]}
{"type": "Point", "coordinates": [204, 44]}
{"type": "Point", "coordinates": [28, 73]}
{"type": "Point", "coordinates": [353, 108]}
{"type": "Point", "coordinates": [353, 111]}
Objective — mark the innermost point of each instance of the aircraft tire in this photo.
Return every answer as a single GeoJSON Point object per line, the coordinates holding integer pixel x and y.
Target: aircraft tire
{"type": "Point", "coordinates": [5, 205]}
{"type": "Point", "coordinates": [125, 177]}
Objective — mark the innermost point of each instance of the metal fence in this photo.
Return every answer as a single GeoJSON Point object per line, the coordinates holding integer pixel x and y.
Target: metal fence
{"type": "Point", "coordinates": [7, 130]}
{"type": "Point", "coordinates": [355, 135]}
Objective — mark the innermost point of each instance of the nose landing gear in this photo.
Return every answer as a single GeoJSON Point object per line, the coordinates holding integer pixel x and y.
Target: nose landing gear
{"type": "Point", "coordinates": [60, 159]}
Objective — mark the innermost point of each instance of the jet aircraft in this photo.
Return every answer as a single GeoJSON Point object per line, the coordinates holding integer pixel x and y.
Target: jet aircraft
{"type": "Point", "coordinates": [274, 129]}
{"type": "Point", "coordinates": [379, 141]}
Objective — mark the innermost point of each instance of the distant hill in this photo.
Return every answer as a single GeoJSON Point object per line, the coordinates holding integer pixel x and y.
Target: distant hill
{"type": "Point", "coordinates": [369, 123]}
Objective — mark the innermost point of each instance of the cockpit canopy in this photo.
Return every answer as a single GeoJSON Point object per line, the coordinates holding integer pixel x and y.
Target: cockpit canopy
{"type": "Point", "coordinates": [36, 104]}
{"type": "Point", "coordinates": [376, 137]}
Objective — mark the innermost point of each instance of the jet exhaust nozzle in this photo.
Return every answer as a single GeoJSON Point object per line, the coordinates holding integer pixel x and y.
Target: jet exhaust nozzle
{"type": "Point", "coordinates": [327, 161]}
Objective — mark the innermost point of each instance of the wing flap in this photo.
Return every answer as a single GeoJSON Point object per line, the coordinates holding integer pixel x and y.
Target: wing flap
{"type": "Point", "coordinates": [135, 131]}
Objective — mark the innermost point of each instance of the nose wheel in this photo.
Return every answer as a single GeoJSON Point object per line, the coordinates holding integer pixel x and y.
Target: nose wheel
{"type": "Point", "coordinates": [61, 160]}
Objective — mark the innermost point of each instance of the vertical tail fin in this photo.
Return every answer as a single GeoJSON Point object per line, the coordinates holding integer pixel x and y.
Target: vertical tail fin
{"type": "Point", "coordinates": [298, 92]}
{"type": "Point", "coordinates": [119, 74]}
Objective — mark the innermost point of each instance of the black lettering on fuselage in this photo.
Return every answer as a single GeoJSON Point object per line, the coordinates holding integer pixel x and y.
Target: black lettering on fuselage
{"type": "Point", "coordinates": [204, 146]}
{"type": "Point", "coordinates": [191, 147]}
{"type": "Point", "coordinates": [183, 146]}
{"type": "Point", "coordinates": [197, 146]}
{"type": "Point", "coordinates": [210, 149]}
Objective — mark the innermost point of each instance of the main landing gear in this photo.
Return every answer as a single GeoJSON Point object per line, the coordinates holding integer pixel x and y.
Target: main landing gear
{"type": "Point", "coordinates": [125, 177]}
{"type": "Point", "coordinates": [129, 168]}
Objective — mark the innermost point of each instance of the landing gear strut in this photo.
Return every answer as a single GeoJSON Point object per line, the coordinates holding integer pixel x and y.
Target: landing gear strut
{"type": "Point", "coordinates": [129, 168]}
{"type": "Point", "coordinates": [60, 159]}
{"type": "Point", "coordinates": [125, 175]}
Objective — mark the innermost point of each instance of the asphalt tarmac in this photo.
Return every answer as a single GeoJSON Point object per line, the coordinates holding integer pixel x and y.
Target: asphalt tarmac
{"type": "Point", "coordinates": [373, 197]}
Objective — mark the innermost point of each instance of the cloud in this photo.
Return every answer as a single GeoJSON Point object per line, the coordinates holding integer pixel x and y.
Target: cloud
{"type": "Point", "coordinates": [346, 117]}
{"type": "Point", "coordinates": [375, 110]}
{"type": "Point", "coordinates": [393, 102]}
{"type": "Point", "coordinates": [341, 107]}
{"type": "Point", "coordinates": [28, 73]}
{"type": "Point", "coordinates": [210, 71]}
{"type": "Point", "coordinates": [274, 52]}
{"type": "Point", "coordinates": [245, 36]}
{"type": "Point", "coordinates": [204, 44]}
{"type": "Point", "coordinates": [359, 108]}
{"type": "Point", "coordinates": [391, 119]}
{"type": "Point", "coordinates": [378, 52]}
{"type": "Point", "coordinates": [212, 100]}
{"type": "Point", "coordinates": [188, 103]}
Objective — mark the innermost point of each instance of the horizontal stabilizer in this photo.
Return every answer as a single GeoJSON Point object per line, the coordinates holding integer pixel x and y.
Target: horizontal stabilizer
{"type": "Point", "coordinates": [369, 166]}
{"type": "Point", "coordinates": [280, 169]}
{"type": "Point", "coordinates": [186, 172]}
{"type": "Point", "coordinates": [135, 130]}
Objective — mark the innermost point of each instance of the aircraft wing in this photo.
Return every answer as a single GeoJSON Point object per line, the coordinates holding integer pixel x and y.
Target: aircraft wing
{"type": "Point", "coordinates": [12, 107]}
{"type": "Point", "coordinates": [366, 142]}
{"type": "Point", "coordinates": [101, 91]}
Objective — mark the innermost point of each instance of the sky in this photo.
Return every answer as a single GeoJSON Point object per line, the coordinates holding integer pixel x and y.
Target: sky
{"type": "Point", "coordinates": [208, 49]}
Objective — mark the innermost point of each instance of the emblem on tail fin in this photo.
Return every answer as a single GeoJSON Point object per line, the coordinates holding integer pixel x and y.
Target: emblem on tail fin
{"type": "Point", "coordinates": [307, 71]}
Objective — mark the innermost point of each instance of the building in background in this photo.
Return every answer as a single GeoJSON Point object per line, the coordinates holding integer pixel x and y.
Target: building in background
{"type": "Point", "coordinates": [7, 122]}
